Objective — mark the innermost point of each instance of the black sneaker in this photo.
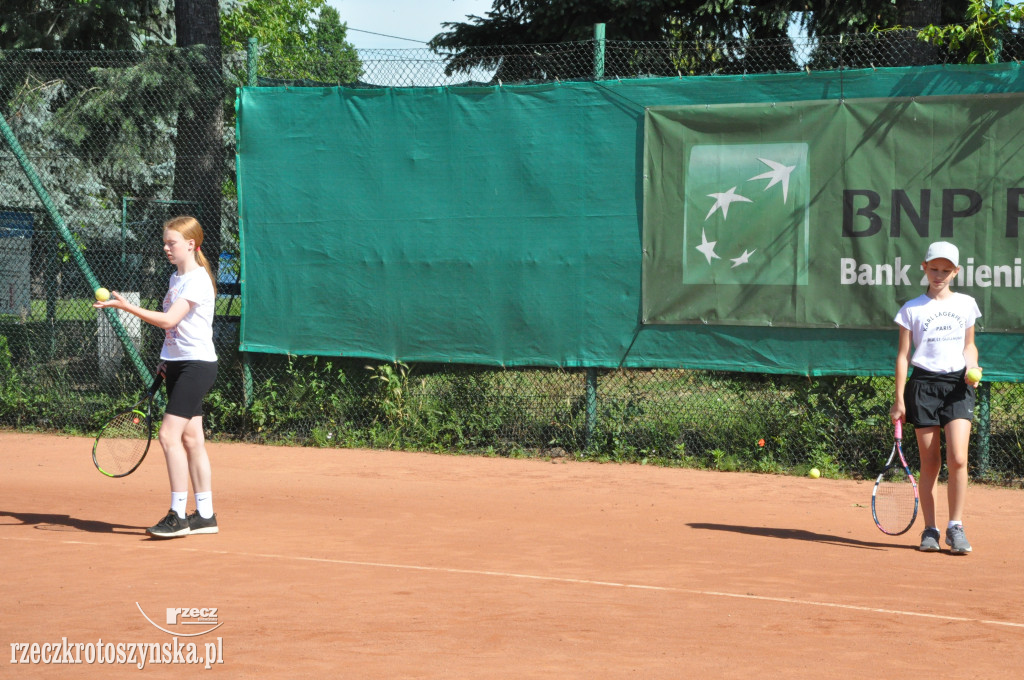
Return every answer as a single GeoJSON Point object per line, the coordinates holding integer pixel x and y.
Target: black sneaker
{"type": "Point", "coordinates": [170, 526]}
{"type": "Point", "coordinates": [198, 524]}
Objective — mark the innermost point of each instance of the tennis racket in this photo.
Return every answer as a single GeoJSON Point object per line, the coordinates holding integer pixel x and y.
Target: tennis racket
{"type": "Point", "coordinates": [121, 445]}
{"type": "Point", "coordinates": [894, 499]}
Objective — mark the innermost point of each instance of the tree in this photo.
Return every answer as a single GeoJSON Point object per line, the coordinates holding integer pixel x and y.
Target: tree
{"type": "Point", "coordinates": [828, 17]}
{"type": "Point", "coordinates": [697, 27]}
{"type": "Point", "coordinates": [98, 128]}
{"type": "Point", "coordinates": [703, 27]}
{"type": "Point", "coordinates": [340, 62]}
{"type": "Point", "coordinates": [541, 22]}
{"type": "Point", "coordinates": [298, 39]}
{"type": "Point", "coordinates": [84, 24]}
{"type": "Point", "coordinates": [979, 38]}
{"type": "Point", "coordinates": [199, 143]}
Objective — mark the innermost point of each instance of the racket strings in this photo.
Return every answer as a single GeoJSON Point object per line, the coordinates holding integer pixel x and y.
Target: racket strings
{"type": "Point", "coordinates": [123, 442]}
{"type": "Point", "coordinates": [895, 501]}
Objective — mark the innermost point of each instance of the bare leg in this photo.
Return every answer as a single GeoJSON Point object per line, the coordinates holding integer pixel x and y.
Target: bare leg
{"type": "Point", "coordinates": [958, 435]}
{"type": "Point", "coordinates": [172, 434]}
{"type": "Point", "coordinates": [929, 442]}
{"type": "Point", "coordinates": [198, 461]}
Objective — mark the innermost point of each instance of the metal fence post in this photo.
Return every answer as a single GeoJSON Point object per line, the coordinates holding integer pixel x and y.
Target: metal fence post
{"type": "Point", "coordinates": [252, 62]}
{"type": "Point", "coordinates": [252, 66]}
{"type": "Point", "coordinates": [997, 44]}
{"type": "Point", "coordinates": [599, 47]}
{"type": "Point", "coordinates": [983, 409]}
{"type": "Point", "coordinates": [591, 403]}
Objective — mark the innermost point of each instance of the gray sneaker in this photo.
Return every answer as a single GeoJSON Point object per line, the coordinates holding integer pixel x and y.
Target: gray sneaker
{"type": "Point", "coordinates": [956, 540]}
{"type": "Point", "coordinates": [929, 540]}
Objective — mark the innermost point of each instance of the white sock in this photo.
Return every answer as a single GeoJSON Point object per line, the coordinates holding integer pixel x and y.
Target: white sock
{"type": "Point", "coordinates": [179, 500]}
{"type": "Point", "coordinates": [954, 523]}
{"type": "Point", "coordinates": [204, 504]}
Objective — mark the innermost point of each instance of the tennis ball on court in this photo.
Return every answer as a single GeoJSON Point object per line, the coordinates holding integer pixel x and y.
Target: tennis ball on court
{"type": "Point", "coordinates": [974, 375]}
{"type": "Point", "coordinates": [814, 473]}
{"type": "Point", "coordinates": [102, 294]}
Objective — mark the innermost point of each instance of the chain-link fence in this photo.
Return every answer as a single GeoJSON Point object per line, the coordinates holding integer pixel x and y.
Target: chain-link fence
{"type": "Point", "coordinates": [117, 142]}
{"type": "Point", "coordinates": [587, 60]}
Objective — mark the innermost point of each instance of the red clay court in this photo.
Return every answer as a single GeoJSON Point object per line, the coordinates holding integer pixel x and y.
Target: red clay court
{"type": "Point", "coordinates": [340, 563]}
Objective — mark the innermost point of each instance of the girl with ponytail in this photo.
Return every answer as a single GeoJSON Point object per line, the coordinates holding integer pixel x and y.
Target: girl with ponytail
{"type": "Point", "coordinates": [189, 365]}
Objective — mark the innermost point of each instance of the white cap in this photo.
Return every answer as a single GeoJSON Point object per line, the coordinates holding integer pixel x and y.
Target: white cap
{"type": "Point", "coordinates": [946, 251]}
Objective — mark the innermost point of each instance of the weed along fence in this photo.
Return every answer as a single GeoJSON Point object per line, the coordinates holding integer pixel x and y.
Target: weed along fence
{"type": "Point", "coordinates": [519, 262]}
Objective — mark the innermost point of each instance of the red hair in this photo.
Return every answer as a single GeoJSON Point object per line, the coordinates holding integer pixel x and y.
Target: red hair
{"type": "Point", "coordinates": [191, 230]}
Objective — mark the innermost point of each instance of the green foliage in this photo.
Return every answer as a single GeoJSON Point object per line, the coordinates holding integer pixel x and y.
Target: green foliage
{"type": "Point", "coordinates": [31, 400]}
{"type": "Point", "coordinates": [97, 133]}
{"type": "Point", "coordinates": [977, 39]}
{"type": "Point", "coordinates": [310, 391]}
{"type": "Point", "coordinates": [700, 419]}
{"type": "Point", "coordinates": [85, 24]}
{"type": "Point", "coordinates": [9, 379]}
{"type": "Point", "coordinates": [751, 423]}
{"type": "Point", "coordinates": [538, 22]}
{"type": "Point", "coordinates": [298, 39]}
{"type": "Point", "coordinates": [337, 58]}
{"type": "Point", "coordinates": [699, 29]}
{"type": "Point", "coordinates": [392, 393]}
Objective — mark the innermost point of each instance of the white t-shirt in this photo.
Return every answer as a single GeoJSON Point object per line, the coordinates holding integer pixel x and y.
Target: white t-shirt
{"type": "Point", "coordinates": [192, 338]}
{"type": "Point", "coordinates": [938, 329]}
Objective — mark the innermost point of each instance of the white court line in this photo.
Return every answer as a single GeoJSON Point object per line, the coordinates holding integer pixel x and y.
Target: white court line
{"type": "Point", "coordinates": [574, 581]}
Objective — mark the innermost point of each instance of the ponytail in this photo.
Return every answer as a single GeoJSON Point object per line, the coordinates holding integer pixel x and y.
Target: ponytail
{"type": "Point", "coordinates": [201, 259]}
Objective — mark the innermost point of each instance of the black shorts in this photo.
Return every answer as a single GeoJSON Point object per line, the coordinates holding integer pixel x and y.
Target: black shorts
{"type": "Point", "coordinates": [187, 383]}
{"type": "Point", "coordinates": [934, 399]}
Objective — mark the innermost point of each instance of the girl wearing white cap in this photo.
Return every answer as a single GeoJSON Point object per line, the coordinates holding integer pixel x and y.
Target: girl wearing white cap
{"type": "Point", "coordinates": [937, 341]}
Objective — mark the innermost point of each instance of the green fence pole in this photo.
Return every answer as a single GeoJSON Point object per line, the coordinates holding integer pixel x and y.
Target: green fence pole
{"type": "Point", "coordinates": [983, 410]}
{"type": "Point", "coordinates": [997, 44]}
{"type": "Point", "coordinates": [252, 55]}
{"type": "Point", "coordinates": [591, 404]}
{"type": "Point", "coordinates": [599, 47]}
{"type": "Point", "coordinates": [51, 293]}
{"type": "Point", "coordinates": [252, 61]}
{"type": "Point", "coordinates": [76, 254]}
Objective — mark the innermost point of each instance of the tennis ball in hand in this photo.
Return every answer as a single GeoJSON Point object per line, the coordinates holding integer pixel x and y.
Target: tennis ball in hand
{"type": "Point", "coordinates": [974, 375]}
{"type": "Point", "coordinates": [102, 294]}
{"type": "Point", "coordinates": [814, 473]}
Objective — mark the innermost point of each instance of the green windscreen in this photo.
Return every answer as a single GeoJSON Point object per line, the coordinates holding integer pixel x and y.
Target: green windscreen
{"type": "Point", "coordinates": [505, 226]}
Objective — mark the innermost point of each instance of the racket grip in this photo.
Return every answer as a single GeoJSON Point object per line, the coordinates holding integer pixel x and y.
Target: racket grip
{"type": "Point", "coordinates": [899, 429]}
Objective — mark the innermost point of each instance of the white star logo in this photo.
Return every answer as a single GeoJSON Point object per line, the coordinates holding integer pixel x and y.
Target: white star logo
{"type": "Point", "coordinates": [723, 200]}
{"type": "Point", "coordinates": [743, 259]}
{"type": "Point", "coordinates": [778, 173]}
{"type": "Point", "coordinates": [707, 248]}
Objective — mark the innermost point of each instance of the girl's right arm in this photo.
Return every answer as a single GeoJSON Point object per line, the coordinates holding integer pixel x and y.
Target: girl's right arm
{"type": "Point", "coordinates": [899, 409]}
{"type": "Point", "coordinates": [165, 320]}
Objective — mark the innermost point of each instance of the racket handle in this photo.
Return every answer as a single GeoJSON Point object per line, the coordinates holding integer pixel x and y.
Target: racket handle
{"type": "Point", "coordinates": [899, 429]}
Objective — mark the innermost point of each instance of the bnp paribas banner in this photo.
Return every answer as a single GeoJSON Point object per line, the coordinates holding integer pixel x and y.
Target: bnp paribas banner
{"type": "Point", "coordinates": [818, 214]}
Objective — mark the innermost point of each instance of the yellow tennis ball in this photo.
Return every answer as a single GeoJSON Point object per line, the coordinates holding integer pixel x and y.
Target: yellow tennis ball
{"type": "Point", "coordinates": [974, 375]}
{"type": "Point", "coordinates": [102, 294]}
{"type": "Point", "coordinates": [814, 473]}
